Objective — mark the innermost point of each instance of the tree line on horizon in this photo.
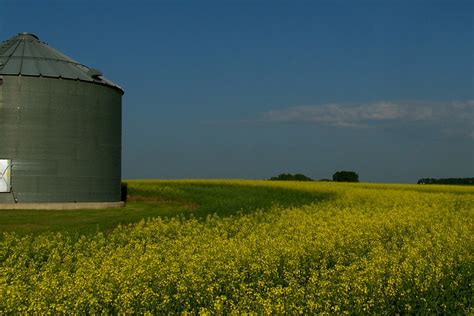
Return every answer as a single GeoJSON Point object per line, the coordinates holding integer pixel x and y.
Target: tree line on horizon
{"type": "Point", "coordinates": [339, 176]}
{"type": "Point", "coordinates": [464, 181]}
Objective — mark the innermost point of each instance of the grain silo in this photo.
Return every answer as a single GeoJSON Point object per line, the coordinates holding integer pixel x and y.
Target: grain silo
{"type": "Point", "coordinates": [60, 128]}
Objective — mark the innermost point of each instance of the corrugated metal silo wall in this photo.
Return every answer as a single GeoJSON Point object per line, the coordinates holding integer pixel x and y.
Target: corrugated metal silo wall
{"type": "Point", "coordinates": [64, 139]}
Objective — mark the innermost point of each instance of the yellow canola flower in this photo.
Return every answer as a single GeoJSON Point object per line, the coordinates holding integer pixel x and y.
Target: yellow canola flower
{"type": "Point", "coordinates": [370, 249]}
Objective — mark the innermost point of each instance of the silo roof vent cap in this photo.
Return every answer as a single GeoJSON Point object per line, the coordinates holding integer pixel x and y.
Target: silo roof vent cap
{"type": "Point", "coordinates": [94, 73]}
{"type": "Point", "coordinates": [26, 34]}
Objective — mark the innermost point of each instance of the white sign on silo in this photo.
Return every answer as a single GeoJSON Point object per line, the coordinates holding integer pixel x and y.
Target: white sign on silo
{"type": "Point", "coordinates": [5, 172]}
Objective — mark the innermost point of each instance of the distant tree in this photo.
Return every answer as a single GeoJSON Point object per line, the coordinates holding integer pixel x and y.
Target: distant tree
{"type": "Point", "coordinates": [291, 177]}
{"type": "Point", "coordinates": [426, 181]}
{"type": "Point", "coordinates": [459, 181]}
{"type": "Point", "coordinates": [302, 177]}
{"type": "Point", "coordinates": [345, 176]}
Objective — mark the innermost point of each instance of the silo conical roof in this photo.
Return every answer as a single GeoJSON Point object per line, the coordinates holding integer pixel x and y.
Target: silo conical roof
{"type": "Point", "coordinates": [25, 55]}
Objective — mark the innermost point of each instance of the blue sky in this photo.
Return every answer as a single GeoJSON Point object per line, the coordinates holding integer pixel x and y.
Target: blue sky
{"type": "Point", "coordinates": [251, 89]}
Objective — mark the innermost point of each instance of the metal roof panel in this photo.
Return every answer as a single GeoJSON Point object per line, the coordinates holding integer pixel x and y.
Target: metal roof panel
{"type": "Point", "coordinates": [29, 68]}
{"type": "Point", "coordinates": [11, 67]}
{"type": "Point", "coordinates": [45, 68]}
{"type": "Point", "coordinates": [24, 54]}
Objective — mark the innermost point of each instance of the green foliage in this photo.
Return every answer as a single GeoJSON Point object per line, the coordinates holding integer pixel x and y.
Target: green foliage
{"type": "Point", "coordinates": [291, 177]}
{"type": "Point", "coordinates": [224, 198]}
{"type": "Point", "coordinates": [368, 249]}
{"type": "Point", "coordinates": [148, 199]}
{"type": "Point", "coordinates": [345, 176]}
{"type": "Point", "coordinates": [460, 181]}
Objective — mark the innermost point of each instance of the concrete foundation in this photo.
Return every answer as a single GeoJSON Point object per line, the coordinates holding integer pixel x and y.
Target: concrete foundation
{"type": "Point", "coordinates": [60, 206]}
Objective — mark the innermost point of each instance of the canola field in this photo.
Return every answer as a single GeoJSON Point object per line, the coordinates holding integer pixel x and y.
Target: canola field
{"type": "Point", "coordinates": [310, 248]}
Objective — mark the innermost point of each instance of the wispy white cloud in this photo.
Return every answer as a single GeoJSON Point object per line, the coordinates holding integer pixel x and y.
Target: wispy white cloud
{"type": "Point", "coordinates": [364, 115]}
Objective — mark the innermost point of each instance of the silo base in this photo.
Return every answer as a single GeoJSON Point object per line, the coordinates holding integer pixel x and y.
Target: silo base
{"type": "Point", "coordinates": [61, 206]}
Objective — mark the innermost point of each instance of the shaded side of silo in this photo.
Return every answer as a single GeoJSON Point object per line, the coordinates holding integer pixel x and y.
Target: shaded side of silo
{"type": "Point", "coordinates": [60, 127]}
